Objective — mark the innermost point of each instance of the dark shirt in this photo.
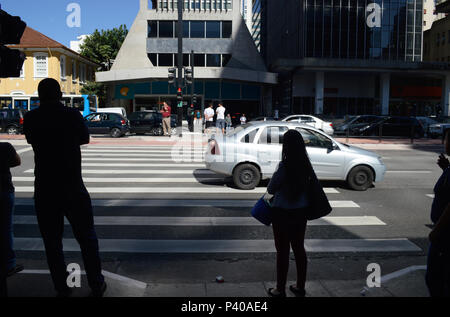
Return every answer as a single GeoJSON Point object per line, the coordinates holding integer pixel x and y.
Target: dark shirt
{"type": "Point", "coordinates": [441, 196]}
{"type": "Point", "coordinates": [56, 133]}
{"type": "Point", "coordinates": [7, 155]}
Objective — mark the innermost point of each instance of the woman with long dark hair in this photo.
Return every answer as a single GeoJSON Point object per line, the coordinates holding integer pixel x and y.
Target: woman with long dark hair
{"type": "Point", "coordinates": [289, 185]}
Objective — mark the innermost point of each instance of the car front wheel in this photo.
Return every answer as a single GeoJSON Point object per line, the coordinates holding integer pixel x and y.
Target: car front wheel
{"type": "Point", "coordinates": [360, 178]}
{"type": "Point", "coordinates": [246, 176]}
{"type": "Point", "coordinates": [116, 133]}
{"type": "Point", "coordinates": [12, 130]}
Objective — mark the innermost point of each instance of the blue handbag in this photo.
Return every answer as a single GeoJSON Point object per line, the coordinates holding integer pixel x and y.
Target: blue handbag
{"type": "Point", "coordinates": [262, 211]}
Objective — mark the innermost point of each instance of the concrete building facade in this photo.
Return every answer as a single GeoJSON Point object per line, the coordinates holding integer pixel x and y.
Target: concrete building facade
{"type": "Point", "coordinates": [350, 57]}
{"type": "Point", "coordinates": [227, 64]}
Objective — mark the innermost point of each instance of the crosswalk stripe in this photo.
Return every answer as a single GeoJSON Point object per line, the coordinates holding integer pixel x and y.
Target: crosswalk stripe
{"type": "Point", "coordinates": [195, 180]}
{"type": "Point", "coordinates": [209, 221]}
{"type": "Point", "coordinates": [166, 155]}
{"type": "Point", "coordinates": [177, 151]}
{"type": "Point", "coordinates": [159, 190]}
{"type": "Point", "coordinates": [180, 203]}
{"type": "Point", "coordinates": [430, 195]}
{"type": "Point", "coordinates": [140, 165]}
{"type": "Point", "coordinates": [108, 159]}
{"type": "Point", "coordinates": [226, 246]}
{"type": "Point", "coordinates": [179, 190]}
{"type": "Point", "coordinates": [157, 147]}
{"type": "Point", "coordinates": [156, 171]}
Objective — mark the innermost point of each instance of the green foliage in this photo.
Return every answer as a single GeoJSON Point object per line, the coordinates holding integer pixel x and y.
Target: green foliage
{"type": "Point", "coordinates": [103, 46]}
{"type": "Point", "coordinates": [98, 89]}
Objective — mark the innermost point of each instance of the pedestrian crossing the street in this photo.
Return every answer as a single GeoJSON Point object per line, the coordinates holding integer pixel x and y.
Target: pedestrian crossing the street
{"type": "Point", "coordinates": [146, 189]}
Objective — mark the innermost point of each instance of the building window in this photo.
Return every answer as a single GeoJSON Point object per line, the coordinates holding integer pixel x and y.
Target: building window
{"type": "Point", "coordinates": [74, 71]}
{"type": "Point", "coordinates": [227, 27]}
{"type": "Point", "coordinates": [213, 29]}
{"type": "Point", "coordinates": [225, 59]}
{"type": "Point", "coordinates": [153, 59]}
{"type": "Point", "coordinates": [199, 60]}
{"type": "Point", "coordinates": [82, 73]}
{"type": "Point", "coordinates": [229, 5]}
{"type": "Point", "coordinates": [41, 65]}
{"type": "Point", "coordinates": [165, 60]}
{"type": "Point", "coordinates": [213, 60]}
{"type": "Point", "coordinates": [22, 71]}
{"type": "Point", "coordinates": [166, 29]}
{"type": "Point", "coordinates": [62, 62]}
{"type": "Point", "coordinates": [197, 29]}
{"type": "Point", "coordinates": [152, 28]}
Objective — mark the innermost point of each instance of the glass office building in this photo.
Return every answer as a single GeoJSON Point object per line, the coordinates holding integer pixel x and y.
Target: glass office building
{"type": "Point", "coordinates": [363, 29]}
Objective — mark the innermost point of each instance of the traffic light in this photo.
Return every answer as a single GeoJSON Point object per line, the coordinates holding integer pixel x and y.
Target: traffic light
{"type": "Point", "coordinates": [188, 75]}
{"type": "Point", "coordinates": [194, 99]}
{"type": "Point", "coordinates": [180, 95]}
{"type": "Point", "coordinates": [11, 28]}
{"type": "Point", "coordinates": [11, 31]}
{"type": "Point", "coordinates": [172, 75]}
{"type": "Point", "coordinates": [11, 62]}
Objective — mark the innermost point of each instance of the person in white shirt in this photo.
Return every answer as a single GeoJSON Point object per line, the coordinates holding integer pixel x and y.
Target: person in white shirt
{"type": "Point", "coordinates": [221, 123]}
{"type": "Point", "coordinates": [243, 119]}
{"type": "Point", "coordinates": [209, 116]}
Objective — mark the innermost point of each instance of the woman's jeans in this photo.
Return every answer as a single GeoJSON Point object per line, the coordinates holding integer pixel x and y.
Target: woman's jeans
{"type": "Point", "coordinates": [7, 214]}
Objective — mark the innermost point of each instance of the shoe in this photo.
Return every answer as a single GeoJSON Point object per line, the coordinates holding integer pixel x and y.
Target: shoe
{"type": "Point", "coordinates": [273, 292]}
{"type": "Point", "coordinates": [99, 292]}
{"type": "Point", "coordinates": [16, 269]}
{"type": "Point", "coordinates": [297, 292]}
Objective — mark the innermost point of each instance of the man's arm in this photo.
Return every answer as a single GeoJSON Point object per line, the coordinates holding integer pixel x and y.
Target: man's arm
{"type": "Point", "coordinates": [27, 130]}
{"type": "Point", "coordinates": [81, 129]}
{"type": "Point", "coordinates": [16, 161]}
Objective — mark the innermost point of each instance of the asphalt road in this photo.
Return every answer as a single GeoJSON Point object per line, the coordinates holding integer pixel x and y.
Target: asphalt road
{"type": "Point", "coordinates": [181, 234]}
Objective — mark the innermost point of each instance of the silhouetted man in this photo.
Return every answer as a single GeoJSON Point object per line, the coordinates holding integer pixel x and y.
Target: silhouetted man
{"type": "Point", "coordinates": [8, 158]}
{"type": "Point", "coordinates": [56, 133]}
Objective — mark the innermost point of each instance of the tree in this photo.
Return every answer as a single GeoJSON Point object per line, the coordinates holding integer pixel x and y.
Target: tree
{"type": "Point", "coordinates": [98, 89]}
{"type": "Point", "coordinates": [103, 46]}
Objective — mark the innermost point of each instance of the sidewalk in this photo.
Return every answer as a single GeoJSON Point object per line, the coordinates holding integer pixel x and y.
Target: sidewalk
{"type": "Point", "coordinates": [191, 138]}
{"type": "Point", "coordinates": [410, 284]}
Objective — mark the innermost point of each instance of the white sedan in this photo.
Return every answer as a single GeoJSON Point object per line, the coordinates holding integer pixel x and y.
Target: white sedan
{"type": "Point", "coordinates": [315, 122]}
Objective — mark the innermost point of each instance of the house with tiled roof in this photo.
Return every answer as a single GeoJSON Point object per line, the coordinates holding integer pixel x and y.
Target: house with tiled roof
{"type": "Point", "coordinates": [46, 58]}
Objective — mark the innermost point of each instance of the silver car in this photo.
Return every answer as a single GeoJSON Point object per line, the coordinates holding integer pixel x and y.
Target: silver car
{"type": "Point", "coordinates": [252, 153]}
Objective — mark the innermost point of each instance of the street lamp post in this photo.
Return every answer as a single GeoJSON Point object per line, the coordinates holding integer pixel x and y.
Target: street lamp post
{"type": "Point", "coordinates": [180, 68]}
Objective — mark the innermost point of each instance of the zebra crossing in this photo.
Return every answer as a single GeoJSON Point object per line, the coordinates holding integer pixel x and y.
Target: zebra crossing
{"type": "Point", "coordinates": [138, 190]}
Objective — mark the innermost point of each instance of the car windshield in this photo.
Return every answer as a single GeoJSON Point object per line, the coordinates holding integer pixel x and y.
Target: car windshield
{"type": "Point", "coordinates": [239, 129]}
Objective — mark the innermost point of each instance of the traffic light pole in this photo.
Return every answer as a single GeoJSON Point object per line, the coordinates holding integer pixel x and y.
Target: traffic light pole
{"type": "Point", "coordinates": [180, 69]}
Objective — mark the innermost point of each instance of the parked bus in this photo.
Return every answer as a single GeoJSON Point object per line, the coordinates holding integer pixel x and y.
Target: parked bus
{"type": "Point", "coordinates": [86, 104]}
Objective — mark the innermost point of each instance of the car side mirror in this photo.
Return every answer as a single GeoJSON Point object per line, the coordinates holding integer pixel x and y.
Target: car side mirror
{"type": "Point", "coordinates": [332, 147]}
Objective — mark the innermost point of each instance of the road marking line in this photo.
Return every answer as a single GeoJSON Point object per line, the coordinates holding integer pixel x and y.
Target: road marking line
{"type": "Point", "coordinates": [140, 165]}
{"type": "Point", "coordinates": [105, 159]}
{"type": "Point", "coordinates": [113, 276]}
{"type": "Point", "coordinates": [178, 190]}
{"type": "Point", "coordinates": [208, 221]}
{"type": "Point", "coordinates": [430, 196]}
{"type": "Point", "coordinates": [411, 172]}
{"type": "Point", "coordinates": [160, 190]}
{"type": "Point", "coordinates": [195, 180]}
{"type": "Point", "coordinates": [226, 246]}
{"type": "Point", "coordinates": [25, 150]}
{"type": "Point", "coordinates": [168, 155]}
{"type": "Point", "coordinates": [156, 171]}
{"type": "Point", "coordinates": [178, 203]}
{"type": "Point", "coordinates": [178, 151]}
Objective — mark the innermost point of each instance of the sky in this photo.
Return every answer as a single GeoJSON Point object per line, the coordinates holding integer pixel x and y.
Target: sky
{"type": "Point", "coordinates": [50, 16]}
